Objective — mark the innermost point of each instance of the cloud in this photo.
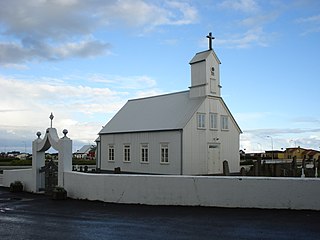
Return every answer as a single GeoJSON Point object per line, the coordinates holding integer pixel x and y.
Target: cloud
{"type": "Point", "coordinates": [138, 13]}
{"type": "Point", "coordinates": [252, 37]}
{"type": "Point", "coordinates": [250, 24]}
{"type": "Point", "coordinates": [312, 19]}
{"type": "Point", "coordinates": [257, 140]}
{"type": "Point", "coordinates": [259, 20]}
{"type": "Point", "coordinates": [124, 82]}
{"type": "Point", "coordinates": [13, 53]}
{"type": "Point", "coordinates": [247, 6]}
{"type": "Point", "coordinates": [26, 104]}
{"type": "Point", "coordinates": [46, 30]}
{"type": "Point", "coordinates": [311, 24]}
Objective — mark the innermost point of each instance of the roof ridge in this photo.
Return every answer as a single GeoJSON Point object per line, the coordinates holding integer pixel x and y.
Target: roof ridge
{"type": "Point", "coordinates": [156, 96]}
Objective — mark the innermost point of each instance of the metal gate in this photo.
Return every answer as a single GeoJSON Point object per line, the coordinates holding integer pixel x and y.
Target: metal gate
{"type": "Point", "coordinates": [50, 171]}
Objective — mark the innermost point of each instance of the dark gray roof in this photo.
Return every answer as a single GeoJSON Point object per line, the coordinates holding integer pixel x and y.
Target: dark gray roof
{"type": "Point", "coordinates": [163, 112]}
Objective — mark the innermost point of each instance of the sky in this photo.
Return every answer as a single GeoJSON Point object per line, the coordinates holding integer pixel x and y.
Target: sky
{"type": "Point", "coordinates": [82, 61]}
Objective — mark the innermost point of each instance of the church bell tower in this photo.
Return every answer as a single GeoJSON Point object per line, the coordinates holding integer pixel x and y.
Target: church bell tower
{"type": "Point", "coordinates": [205, 73]}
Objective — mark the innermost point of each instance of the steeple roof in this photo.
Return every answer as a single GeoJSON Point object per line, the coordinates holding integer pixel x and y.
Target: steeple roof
{"type": "Point", "coordinates": [202, 56]}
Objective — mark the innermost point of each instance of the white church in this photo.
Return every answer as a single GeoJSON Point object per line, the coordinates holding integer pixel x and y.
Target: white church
{"type": "Point", "coordinates": [183, 133]}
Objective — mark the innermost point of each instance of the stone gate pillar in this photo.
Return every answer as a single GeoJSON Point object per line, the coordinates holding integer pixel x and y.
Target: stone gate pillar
{"type": "Point", "coordinates": [65, 157]}
{"type": "Point", "coordinates": [38, 161]}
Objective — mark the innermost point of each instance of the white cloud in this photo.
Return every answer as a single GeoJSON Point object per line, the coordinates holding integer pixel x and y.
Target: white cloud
{"type": "Point", "coordinates": [259, 20]}
{"type": "Point", "coordinates": [248, 6]}
{"type": "Point", "coordinates": [26, 104]}
{"type": "Point", "coordinates": [312, 19]}
{"type": "Point", "coordinates": [256, 139]}
{"type": "Point", "coordinates": [138, 13]}
{"type": "Point", "coordinates": [46, 30]}
{"type": "Point", "coordinates": [249, 23]}
{"type": "Point", "coordinates": [124, 82]}
{"type": "Point", "coordinates": [252, 37]}
{"type": "Point", "coordinates": [311, 24]}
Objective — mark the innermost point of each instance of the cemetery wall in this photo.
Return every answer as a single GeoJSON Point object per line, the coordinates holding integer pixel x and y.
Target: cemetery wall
{"type": "Point", "coordinates": [224, 191]}
{"type": "Point", "coordinates": [23, 175]}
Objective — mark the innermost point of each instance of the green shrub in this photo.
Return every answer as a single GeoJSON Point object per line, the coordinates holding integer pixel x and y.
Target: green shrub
{"type": "Point", "coordinates": [83, 162]}
{"type": "Point", "coordinates": [23, 162]}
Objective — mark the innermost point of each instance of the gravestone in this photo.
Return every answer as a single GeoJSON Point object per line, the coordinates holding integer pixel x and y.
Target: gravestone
{"type": "Point", "coordinates": [226, 171]}
{"type": "Point", "coordinates": [243, 171]}
{"type": "Point", "coordinates": [294, 166]}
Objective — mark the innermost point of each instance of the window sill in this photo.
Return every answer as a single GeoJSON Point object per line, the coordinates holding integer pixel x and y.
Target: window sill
{"type": "Point", "coordinates": [164, 163]}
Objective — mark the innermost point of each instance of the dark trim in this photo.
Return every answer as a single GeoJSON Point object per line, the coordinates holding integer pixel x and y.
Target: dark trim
{"type": "Point", "coordinates": [200, 85]}
{"type": "Point", "coordinates": [202, 60]}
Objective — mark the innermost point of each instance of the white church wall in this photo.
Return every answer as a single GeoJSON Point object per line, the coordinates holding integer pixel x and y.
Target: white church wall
{"type": "Point", "coordinates": [242, 192]}
{"type": "Point", "coordinates": [196, 141]}
{"type": "Point", "coordinates": [194, 148]}
{"type": "Point", "coordinates": [23, 175]}
{"type": "Point", "coordinates": [154, 140]}
{"type": "Point", "coordinates": [229, 138]}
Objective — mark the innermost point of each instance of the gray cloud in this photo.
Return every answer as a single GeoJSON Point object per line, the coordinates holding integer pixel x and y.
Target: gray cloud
{"type": "Point", "coordinates": [46, 30]}
{"type": "Point", "coordinates": [11, 53]}
{"type": "Point", "coordinates": [275, 131]}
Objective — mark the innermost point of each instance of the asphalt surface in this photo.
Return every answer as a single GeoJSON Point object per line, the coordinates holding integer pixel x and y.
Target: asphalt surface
{"type": "Point", "coordinates": [33, 216]}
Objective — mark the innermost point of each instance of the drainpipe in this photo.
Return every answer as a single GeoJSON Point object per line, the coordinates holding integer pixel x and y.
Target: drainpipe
{"type": "Point", "coordinates": [100, 154]}
{"type": "Point", "coordinates": [181, 153]}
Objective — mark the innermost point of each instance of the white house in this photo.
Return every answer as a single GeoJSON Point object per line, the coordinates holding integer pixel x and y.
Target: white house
{"type": "Point", "coordinates": [84, 151]}
{"type": "Point", "coordinates": [187, 133]}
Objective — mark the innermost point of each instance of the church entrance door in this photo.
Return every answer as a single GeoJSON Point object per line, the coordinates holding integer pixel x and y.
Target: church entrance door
{"type": "Point", "coordinates": [214, 158]}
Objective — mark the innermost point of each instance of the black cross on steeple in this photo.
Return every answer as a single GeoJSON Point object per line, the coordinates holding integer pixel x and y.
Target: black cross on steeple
{"type": "Point", "coordinates": [210, 40]}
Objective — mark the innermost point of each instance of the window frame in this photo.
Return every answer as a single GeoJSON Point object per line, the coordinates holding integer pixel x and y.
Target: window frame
{"type": "Point", "coordinates": [224, 122]}
{"type": "Point", "coordinates": [126, 153]}
{"type": "Point", "coordinates": [213, 121]}
{"type": "Point", "coordinates": [164, 153]}
{"type": "Point", "coordinates": [111, 151]}
{"type": "Point", "coordinates": [201, 120]}
{"type": "Point", "coordinates": [144, 153]}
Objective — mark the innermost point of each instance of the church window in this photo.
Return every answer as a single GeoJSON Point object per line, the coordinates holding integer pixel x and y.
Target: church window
{"type": "Point", "coordinates": [164, 153]}
{"type": "Point", "coordinates": [126, 153]}
{"type": "Point", "coordinates": [213, 120]}
{"type": "Point", "coordinates": [224, 122]}
{"type": "Point", "coordinates": [111, 153]}
{"type": "Point", "coordinates": [144, 153]}
{"type": "Point", "coordinates": [201, 120]}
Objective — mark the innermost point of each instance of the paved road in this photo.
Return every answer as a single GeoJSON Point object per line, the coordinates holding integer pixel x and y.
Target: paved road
{"type": "Point", "coordinates": [30, 216]}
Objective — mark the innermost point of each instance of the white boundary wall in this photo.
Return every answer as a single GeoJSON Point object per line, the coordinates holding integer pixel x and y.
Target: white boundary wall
{"type": "Point", "coordinates": [23, 175]}
{"type": "Point", "coordinates": [242, 192]}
